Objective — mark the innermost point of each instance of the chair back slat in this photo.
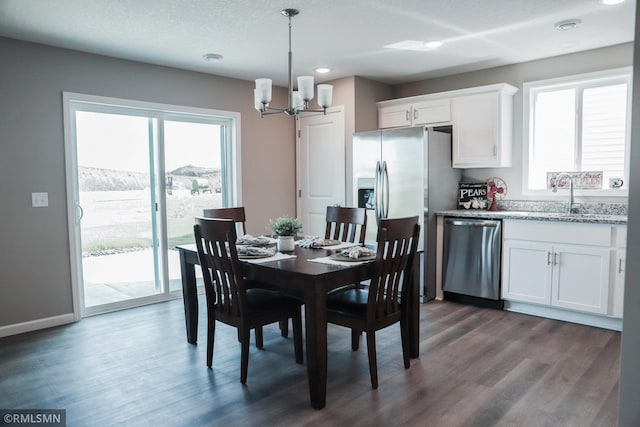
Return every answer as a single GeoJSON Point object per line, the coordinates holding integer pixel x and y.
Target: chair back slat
{"type": "Point", "coordinates": [397, 245]}
{"type": "Point", "coordinates": [346, 224]}
{"type": "Point", "coordinates": [235, 214]}
{"type": "Point", "coordinates": [216, 243]}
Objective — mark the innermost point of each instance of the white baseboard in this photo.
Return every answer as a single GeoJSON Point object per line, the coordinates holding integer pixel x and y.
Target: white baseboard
{"type": "Point", "coordinates": [34, 325]}
{"type": "Point", "coordinates": [565, 315]}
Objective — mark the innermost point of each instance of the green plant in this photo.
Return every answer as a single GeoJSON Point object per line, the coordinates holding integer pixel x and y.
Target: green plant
{"type": "Point", "coordinates": [285, 226]}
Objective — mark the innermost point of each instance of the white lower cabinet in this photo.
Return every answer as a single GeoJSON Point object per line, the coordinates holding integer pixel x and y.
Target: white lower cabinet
{"type": "Point", "coordinates": [618, 268]}
{"type": "Point", "coordinates": [581, 278]}
{"type": "Point", "coordinates": [564, 276]}
{"type": "Point", "coordinates": [559, 264]}
{"type": "Point", "coordinates": [526, 272]}
{"type": "Point", "coordinates": [618, 290]}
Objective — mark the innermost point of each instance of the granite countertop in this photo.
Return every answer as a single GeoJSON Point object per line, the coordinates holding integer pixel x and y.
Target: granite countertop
{"type": "Point", "coordinates": [595, 218]}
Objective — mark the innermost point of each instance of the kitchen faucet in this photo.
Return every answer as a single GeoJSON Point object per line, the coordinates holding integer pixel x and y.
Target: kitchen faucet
{"type": "Point", "coordinates": [555, 188]}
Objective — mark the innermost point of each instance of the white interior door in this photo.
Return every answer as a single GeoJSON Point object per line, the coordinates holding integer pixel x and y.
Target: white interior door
{"type": "Point", "coordinates": [320, 167]}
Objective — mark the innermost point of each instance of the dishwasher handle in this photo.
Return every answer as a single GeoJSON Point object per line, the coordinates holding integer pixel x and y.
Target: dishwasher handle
{"type": "Point", "coordinates": [473, 222]}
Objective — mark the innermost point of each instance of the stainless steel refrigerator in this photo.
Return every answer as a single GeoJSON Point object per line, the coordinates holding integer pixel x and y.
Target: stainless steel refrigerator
{"type": "Point", "coordinates": [405, 172]}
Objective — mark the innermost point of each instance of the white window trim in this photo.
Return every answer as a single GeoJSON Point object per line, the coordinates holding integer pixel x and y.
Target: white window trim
{"type": "Point", "coordinates": [625, 73]}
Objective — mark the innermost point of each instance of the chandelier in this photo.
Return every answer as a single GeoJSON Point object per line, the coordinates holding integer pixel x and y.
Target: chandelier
{"type": "Point", "coordinates": [298, 100]}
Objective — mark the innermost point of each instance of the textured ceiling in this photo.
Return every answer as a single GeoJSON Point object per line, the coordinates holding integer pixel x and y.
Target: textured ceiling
{"type": "Point", "coordinates": [347, 35]}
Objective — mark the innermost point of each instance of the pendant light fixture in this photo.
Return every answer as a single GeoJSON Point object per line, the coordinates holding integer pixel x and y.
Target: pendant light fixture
{"type": "Point", "coordinates": [298, 101]}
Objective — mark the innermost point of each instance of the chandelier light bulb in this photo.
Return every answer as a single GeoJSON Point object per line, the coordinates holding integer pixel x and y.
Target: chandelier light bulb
{"type": "Point", "coordinates": [263, 90]}
{"type": "Point", "coordinates": [325, 95]}
{"type": "Point", "coordinates": [305, 87]}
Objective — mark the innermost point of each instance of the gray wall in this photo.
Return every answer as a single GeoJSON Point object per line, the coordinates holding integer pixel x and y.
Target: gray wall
{"type": "Point", "coordinates": [516, 75]}
{"type": "Point", "coordinates": [629, 392]}
{"type": "Point", "coordinates": [358, 95]}
{"type": "Point", "coordinates": [35, 278]}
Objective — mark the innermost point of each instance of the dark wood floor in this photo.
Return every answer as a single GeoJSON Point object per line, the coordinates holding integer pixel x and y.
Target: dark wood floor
{"type": "Point", "coordinates": [477, 367]}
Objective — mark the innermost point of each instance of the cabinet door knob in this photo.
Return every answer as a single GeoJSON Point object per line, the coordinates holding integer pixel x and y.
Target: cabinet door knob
{"type": "Point", "coordinates": [620, 270]}
{"type": "Point", "coordinates": [555, 258]}
{"type": "Point", "coordinates": [548, 258]}
{"type": "Point", "coordinates": [415, 114]}
{"type": "Point", "coordinates": [408, 116]}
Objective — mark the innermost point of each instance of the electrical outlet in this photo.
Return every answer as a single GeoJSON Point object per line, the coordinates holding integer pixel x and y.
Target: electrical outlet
{"type": "Point", "coordinates": [39, 200]}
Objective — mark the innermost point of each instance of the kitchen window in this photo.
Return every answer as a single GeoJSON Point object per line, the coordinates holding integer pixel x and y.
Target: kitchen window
{"type": "Point", "coordinates": [578, 123]}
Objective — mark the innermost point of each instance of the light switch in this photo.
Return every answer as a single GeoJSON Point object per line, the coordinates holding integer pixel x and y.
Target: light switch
{"type": "Point", "coordinates": [39, 200]}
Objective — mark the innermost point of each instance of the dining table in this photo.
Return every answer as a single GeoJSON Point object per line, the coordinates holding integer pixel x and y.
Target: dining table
{"type": "Point", "coordinates": [307, 274]}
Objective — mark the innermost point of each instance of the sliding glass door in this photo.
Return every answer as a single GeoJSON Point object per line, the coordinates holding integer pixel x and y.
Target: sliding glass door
{"type": "Point", "coordinates": [136, 178]}
{"type": "Point", "coordinates": [117, 196]}
{"type": "Point", "coordinates": [194, 181]}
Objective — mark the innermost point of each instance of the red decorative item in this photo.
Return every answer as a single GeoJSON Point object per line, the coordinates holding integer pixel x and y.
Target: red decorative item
{"type": "Point", "coordinates": [496, 190]}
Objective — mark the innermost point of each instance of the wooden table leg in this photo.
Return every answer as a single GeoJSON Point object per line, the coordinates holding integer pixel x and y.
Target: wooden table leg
{"type": "Point", "coordinates": [316, 325]}
{"type": "Point", "coordinates": [414, 314]}
{"type": "Point", "coordinates": [189, 297]}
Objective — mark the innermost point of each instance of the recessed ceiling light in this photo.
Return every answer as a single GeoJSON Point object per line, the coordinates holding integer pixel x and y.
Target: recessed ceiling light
{"type": "Point", "coordinates": [611, 2]}
{"type": "Point", "coordinates": [212, 57]}
{"type": "Point", "coordinates": [569, 24]}
{"type": "Point", "coordinates": [433, 44]}
{"type": "Point", "coordinates": [323, 70]}
{"type": "Point", "coordinates": [417, 45]}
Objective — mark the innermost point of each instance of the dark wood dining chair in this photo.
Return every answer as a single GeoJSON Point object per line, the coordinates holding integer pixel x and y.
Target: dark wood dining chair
{"type": "Point", "coordinates": [236, 214]}
{"type": "Point", "coordinates": [385, 302]}
{"type": "Point", "coordinates": [230, 299]}
{"type": "Point", "coordinates": [346, 224]}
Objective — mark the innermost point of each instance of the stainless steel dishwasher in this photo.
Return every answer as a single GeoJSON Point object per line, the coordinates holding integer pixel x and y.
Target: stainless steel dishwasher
{"type": "Point", "coordinates": [471, 261]}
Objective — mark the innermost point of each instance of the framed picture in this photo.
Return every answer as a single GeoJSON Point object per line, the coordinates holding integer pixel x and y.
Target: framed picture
{"type": "Point", "coordinates": [581, 180]}
{"type": "Point", "coordinates": [472, 195]}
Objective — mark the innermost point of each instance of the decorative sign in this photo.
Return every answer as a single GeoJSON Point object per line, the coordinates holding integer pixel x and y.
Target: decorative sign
{"type": "Point", "coordinates": [591, 180]}
{"type": "Point", "coordinates": [472, 195]}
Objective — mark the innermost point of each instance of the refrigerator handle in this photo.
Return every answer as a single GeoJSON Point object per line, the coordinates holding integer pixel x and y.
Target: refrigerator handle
{"type": "Point", "coordinates": [385, 189]}
{"type": "Point", "coordinates": [378, 190]}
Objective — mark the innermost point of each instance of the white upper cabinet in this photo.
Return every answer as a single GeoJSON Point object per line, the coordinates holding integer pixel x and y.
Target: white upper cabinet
{"type": "Point", "coordinates": [481, 118]}
{"type": "Point", "coordinates": [482, 129]}
{"type": "Point", "coordinates": [394, 116]}
{"type": "Point", "coordinates": [427, 113]}
{"type": "Point", "coordinates": [433, 112]}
